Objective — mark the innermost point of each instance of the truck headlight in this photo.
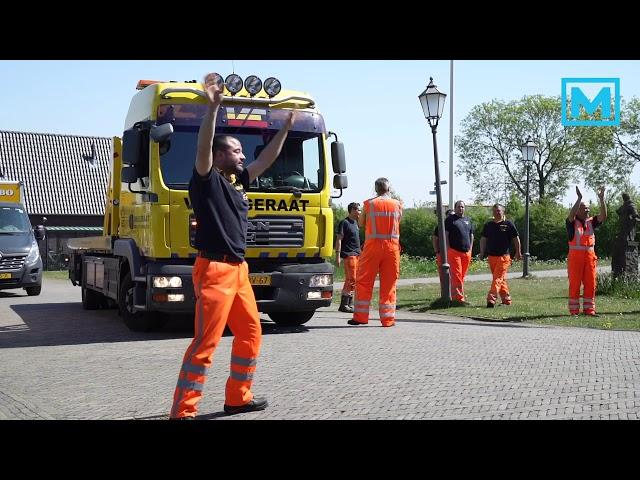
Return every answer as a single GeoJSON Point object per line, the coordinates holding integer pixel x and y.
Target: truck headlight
{"type": "Point", "coordinates": [166, 282]}
{"type": "Point", "coordinates": [321, 280]}
{"type": "Point", "coordinates": [34, 253]}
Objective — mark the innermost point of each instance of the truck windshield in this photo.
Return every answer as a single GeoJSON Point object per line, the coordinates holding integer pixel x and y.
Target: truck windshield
{"type": "Point", "coordinates": [14, 220]}
{"type": "Point", "coordinates": [298, 167]}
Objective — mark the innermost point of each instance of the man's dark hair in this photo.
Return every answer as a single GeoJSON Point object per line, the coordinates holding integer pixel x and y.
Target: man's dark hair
{"type": "Point", "coordinates": [496, 205]}
{"type": "Point", "coordinates": [353, 206]}
{"type": "Point", "coordinates": [626, 197]}
{"type": "Point", "coordinates": [221, 142]}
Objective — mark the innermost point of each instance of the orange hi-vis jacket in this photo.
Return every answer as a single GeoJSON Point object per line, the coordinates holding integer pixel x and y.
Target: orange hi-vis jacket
{"type": "Point", "coordinates": [581, 266]}
{"type": "Point", "coordinates": [381, 255]}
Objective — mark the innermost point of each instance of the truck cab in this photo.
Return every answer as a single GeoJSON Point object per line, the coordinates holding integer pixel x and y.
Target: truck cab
{"type": "Point", "coordinates": [145, 258]}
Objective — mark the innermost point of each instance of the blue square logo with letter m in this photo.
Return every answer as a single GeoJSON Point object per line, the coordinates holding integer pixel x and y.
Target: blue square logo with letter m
{"type": "Point", "coordinates": [590, 102]}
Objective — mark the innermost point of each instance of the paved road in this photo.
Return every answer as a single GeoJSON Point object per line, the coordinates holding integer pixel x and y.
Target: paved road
{"type": "Point", "coordinates": [60, 362]}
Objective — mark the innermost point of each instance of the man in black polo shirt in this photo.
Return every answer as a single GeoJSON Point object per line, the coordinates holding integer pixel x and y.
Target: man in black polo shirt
{"type": "Point", "coordinates": [347, 252]}
{"type": "Point", "coordinates": [220, 275]}
{"type": "Point", "coordinates": [460, 240]}
{"type": "Point", "coordinates": [497, 237]}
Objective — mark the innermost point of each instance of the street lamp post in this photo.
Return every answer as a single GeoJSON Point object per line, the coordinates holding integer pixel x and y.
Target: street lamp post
{"type": "Point", "coordinates": [528, 155]}
{"type": "Point", "coordinates": [432, 102]}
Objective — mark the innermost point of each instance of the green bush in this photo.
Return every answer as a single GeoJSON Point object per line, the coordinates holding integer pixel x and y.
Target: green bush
{"type": "Point", "coordinates": [416, 229]}
{"type": "Point", "coordinates": [622, 286]}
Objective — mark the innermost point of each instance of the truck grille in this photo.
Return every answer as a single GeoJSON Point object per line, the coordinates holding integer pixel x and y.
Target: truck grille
{"type": "Point", "coordinates": [11, 263]}
{"type": "Point", "coordinates": [275, 232]}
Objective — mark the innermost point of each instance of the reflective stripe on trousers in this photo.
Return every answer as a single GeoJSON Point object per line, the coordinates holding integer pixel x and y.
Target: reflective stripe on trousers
{"type": "Point", "coordinates": [378, 257]}
{"type": "Point", "coordinates": [223, 297]}
{"type": "Point", "coordinates": [581, 267]}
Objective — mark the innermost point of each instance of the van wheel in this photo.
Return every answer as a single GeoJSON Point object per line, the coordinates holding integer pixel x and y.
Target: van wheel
{"type": "Point", "coordinates": [290, 319]}
{"type": "Point", "coordinates": [136, 321]}
{"type": "Point", "coordinates": [33, 291]}
{"type": "Point", "coordinates": [91, 300]}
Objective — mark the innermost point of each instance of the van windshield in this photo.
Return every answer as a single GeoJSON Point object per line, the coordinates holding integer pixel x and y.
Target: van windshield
{"type": "Point", "coordinates": [14, 220]}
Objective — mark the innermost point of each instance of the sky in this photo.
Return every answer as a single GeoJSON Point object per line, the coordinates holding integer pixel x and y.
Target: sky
{"type": "Point", "coordinates": [373, 106]}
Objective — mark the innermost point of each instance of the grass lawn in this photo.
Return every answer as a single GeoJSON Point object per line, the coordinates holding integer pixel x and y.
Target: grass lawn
{"type": "Point", "coordinates": [535, 300]}
{"type": "Point", "coordinates": [417, 267]}
{"type": "Point", "coordinates": [59, 275]}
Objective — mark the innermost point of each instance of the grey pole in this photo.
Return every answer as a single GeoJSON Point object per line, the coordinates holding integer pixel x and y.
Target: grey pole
{"type": "Point", "coordinates": [445, 286]}
{"type": "Point", "coordinates": [525, 263]}
{"type": "Point", "coordinates": [451, 136]}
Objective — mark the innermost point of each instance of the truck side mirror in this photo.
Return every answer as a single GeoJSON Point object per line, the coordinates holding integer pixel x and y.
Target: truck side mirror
{"type": "Point", "coordinates": [132, 146]}
{"type": "Point", "coordinates": [130, 174]}
{"type": "Point", "coordinates": [339, 183]}
{"type": "Point", "coordinates": [161, 133]}
{"type": "Point", "coordinates": [39, 232]}
{"type": "Point", "coordinates": [337, 157]}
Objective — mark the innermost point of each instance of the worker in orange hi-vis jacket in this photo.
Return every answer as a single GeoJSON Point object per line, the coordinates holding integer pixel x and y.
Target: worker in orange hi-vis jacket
{"type": "Point", "coordinates": [460, 240]}
{"type": "Point", "coordinates": [582, 260]}
{"type": "Point", "coordinates": [381, 255]}
{"type": "Point", "coordinates": [497, 236]}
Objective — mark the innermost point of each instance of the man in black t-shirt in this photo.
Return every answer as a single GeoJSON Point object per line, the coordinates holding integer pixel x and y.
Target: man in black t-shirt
{"type": "Point", "coordinates": [223, 293]}
{"type": "Point", "coordinates": [348, 251]}
{"type": "Point", "coordinates": [459, 230]}
{"type": "Point", "coordinates": [497, 237]}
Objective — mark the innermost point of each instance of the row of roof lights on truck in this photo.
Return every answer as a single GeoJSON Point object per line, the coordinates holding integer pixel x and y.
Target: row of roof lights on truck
{"type": "Point", "coordinates": [252, 84]}
{"type": "Point", "coordinates": [234, 84]}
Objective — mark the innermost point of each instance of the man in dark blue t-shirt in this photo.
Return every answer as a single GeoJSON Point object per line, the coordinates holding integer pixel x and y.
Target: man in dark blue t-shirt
{"type": "Point", "coordinates": [460, 239]}
{"type": "Point", "coordinates": [348, 251]}
{"type": "Point", "coordinates": [223, 293]}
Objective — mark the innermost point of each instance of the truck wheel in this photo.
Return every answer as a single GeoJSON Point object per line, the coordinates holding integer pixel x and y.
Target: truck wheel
{"type": "Point", "coordinates": [290, 319]}
{"type": "Point", "coordinates": [136, 321]}
{"type": "Point", "coordinates": [33, 291]}
{"type": "Point", "coordinates": [91, 300]}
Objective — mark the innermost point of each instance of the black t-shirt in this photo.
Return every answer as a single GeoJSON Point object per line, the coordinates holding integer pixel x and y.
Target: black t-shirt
{"type": "Point", "coordinates": [350, 245]}
{"type": "Point", "coordinates": [499, 236]}
{"type": "Point", "coordinates": [571, 231]}
{"type": "Point", "coordinates": [460, 230]}
{"type": "Point", "coordinates": [435, 230]}
{"type": "Point", "coordinates": [221, 210]}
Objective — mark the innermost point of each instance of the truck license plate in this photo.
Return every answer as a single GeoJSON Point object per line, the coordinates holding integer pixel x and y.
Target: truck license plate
{"type": "Point", "coordinates": [4, 276]}
{"type": "Point", "coordinates": [255, 279]}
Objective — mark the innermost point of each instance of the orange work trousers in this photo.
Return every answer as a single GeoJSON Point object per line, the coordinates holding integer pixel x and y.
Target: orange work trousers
{"type": "Point", "coordinates": [378, 257]}
{"type": "Point", "coordinates": [459, 262]}
{"type": "Point", "coordinates": [499, 266]}
{"type": "Point", "coordinates": [223, 297]}
{"type": "Point", "coordinates": [581, 266]}
{"type": "Point", "coordinates": [350, 266]}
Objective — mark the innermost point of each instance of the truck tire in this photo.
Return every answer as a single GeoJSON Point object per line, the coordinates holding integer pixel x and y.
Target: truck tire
{"type": "Point", "coordinates": [136, 321]}
{"type": "Point", "coordinates": [33, 291]}
{"type": "Point", "coordinates": [92, 300]}
{"type": "Point", "coordinates": [290, 319]}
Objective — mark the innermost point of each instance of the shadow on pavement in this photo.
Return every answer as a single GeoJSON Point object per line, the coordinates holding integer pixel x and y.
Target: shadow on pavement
{"type": "Point", "coordinates": [49, 324]}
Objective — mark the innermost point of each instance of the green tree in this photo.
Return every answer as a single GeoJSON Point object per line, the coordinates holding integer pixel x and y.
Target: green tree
{"type": "Point", "coordinates": [489, 148]}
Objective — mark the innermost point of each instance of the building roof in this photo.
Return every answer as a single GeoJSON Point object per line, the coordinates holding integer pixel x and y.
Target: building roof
{"type": "Point", "coordinates": [62, 174]}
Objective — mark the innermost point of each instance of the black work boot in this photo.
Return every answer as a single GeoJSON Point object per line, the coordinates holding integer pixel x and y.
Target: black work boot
{"type": "Point", "coordinates": [254, 405]}
{"type": "Point", "coordinates": [344, 305]}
